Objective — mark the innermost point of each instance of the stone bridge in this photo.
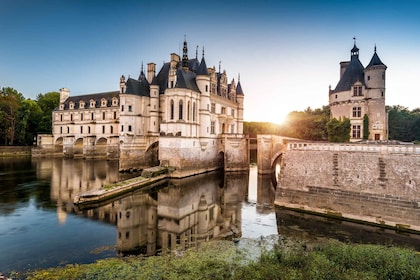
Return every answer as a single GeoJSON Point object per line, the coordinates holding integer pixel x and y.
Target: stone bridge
{"type": "Point", "coordinates": [373, 182]}
{"type": "Point", "coordinates": [270, 150]}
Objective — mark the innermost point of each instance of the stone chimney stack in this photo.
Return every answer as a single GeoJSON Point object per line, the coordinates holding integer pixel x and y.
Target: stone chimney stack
{"type": "Point", "coordinates": [151, 71]}
{"type": "Point", "coordinates": [64, 94]}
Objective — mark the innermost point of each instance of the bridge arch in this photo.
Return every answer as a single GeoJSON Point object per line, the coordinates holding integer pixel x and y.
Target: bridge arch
{"type": "Point", "coordinates": [101, 147]}
{"type": "Point", "coordinates": [78, 147]}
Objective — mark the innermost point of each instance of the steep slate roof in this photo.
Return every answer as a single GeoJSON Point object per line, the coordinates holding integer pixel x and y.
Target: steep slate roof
{"type": "Point", "coordinates": [202, 70]}
{"type": "Point", "coordinates": [375, 61]}
{"type": "Point", "coordinates": [186, 80]}
{"type": "Point", "coordinates": [354, 72]}
{"type": "Point", "coordinates": [94, 96]}
{"type": "Point", "coordinates": [162, 77]}
{"type": "Point", "coordinates": [138, 87]}
{"type": "Point", "coordinates": [239, 89]}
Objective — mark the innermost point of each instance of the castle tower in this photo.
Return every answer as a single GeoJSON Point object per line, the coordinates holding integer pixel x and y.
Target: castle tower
{"type": "Point", "coordinates": [154, 106]}
{"type": "Point", "coordinates": [240, 100]}
{"type": "Point", "coordinates": [360, 92]}
{"type": "Point", "coordinates": [203, 83]}
{"type": "Point", "coordinates": [375, 84]}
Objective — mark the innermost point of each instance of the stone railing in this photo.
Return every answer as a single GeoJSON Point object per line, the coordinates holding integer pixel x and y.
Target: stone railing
{"type": "Point", "coordinates": [356, 147]}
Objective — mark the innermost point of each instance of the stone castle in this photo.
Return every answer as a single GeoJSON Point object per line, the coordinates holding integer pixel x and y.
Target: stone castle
{"type": "Point", "coordinates": [360, 95]}
{"type": "Point", "coordinates": [186, 116]}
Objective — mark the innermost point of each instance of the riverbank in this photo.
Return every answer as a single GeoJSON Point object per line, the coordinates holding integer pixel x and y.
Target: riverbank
{"type": "Point", "coordinates": [15, 151]}
{"type": "Point", "coordinates": [252, 259]}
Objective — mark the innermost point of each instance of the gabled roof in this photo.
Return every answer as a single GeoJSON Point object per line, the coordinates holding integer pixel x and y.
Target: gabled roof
{"type": "Point", "coordinates": [354, 73]}
{"type": "Point", "coordinates": [97, 97]}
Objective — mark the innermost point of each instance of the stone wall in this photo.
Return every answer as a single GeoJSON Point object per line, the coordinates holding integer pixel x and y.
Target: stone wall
{"type": "Point", "coordinates": [373, 183]}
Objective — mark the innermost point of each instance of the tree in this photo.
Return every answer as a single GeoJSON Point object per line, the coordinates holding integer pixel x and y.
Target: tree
{"type": "Point", "coordinates": [338, 130]}
{"type": "Point", "coordinates": [10, 100]}
{"type": "Point", "coordinates": [366, 127]}
{"type": "Point", "coordinates": [47, 102]}
{"type": "Point", "coordinates": [29, 118]}
{"type": "Point", "coordinates": [403, 125]}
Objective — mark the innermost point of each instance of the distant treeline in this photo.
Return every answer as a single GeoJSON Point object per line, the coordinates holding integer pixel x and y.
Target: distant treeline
{"type": "Point", "coordinates": [21, 119]}
{"type": "Point", "coordinates": [316, 125]}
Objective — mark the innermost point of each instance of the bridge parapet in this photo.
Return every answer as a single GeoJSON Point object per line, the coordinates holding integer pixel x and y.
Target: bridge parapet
{"type": "Point", "coordinates": [350, 147]}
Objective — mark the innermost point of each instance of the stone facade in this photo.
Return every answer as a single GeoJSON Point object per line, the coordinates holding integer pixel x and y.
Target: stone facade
{"type": "Point", "coordinates": [359, 93]}
{"type": "Point", "coordinates": [372, 183]}
{"type": "Point", "coordinates": [186, 116]}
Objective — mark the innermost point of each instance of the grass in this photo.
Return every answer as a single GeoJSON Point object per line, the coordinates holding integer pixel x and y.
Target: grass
{"type": "Point", "coordinates": [288, 259]}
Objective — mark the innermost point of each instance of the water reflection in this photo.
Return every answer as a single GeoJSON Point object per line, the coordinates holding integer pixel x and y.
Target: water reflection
{"type": "Point", "coordinates": [40, 226]}
{"type": "Point", "coordinates": [177, 215]}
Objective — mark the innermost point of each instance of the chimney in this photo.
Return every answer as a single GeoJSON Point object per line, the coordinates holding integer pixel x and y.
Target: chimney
{"type": "Point", "coordinates": [64, 94]}
{"type": "Point", "coordinates": [151, 71]}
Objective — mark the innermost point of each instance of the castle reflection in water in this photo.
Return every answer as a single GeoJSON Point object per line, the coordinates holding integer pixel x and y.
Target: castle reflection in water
{"type": "Point", "coordinates": [177, 215]}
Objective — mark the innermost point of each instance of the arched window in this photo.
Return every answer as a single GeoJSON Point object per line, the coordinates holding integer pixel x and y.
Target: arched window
{"type": "Point", "coordinates": [172, 110]}
{"type": "Point", "coordinates": [180, 109]}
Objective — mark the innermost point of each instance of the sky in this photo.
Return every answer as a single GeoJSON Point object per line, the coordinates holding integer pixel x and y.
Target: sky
{"type": "Point", "coordinates": [286, 53]}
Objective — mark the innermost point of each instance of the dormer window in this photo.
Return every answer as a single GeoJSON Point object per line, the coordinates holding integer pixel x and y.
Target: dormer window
{"type": "Point", "coordinates": [103, 102]}
{"type": "Point", "coordinates": [81, 104]}
{"type": "Point", "coordinates": [114, 101]}
{"type": "Point", "coordinates": [92, 103]}
{"type": "Point", "coordinates": [61, 106]}
{"type": "Point", "coordinates": [71, 105]}
{"type": "Point", "coordinates": [357, 91]}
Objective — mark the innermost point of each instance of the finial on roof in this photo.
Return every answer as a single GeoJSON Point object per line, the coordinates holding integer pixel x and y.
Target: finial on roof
{"type": "Point", "coordinates": [202, 56]}
{"type": "Point", "coordinates": [239, 77]}
{"type": "Point", "coordinates": [141, 70]}
{"type": "Point", "coordinates": [220, 65]}
{"type": "Point", "coordinates": [354, 39]}
{"type": "Point", "coordinates": [196, 52]}
{"type": "Point", "coordinates": [374, 48]}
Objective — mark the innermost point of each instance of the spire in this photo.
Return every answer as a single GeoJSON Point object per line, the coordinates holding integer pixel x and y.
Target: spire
{"type": "Point", "coordinates": [185, 53]}
{"type": "Point", "coordinates": [202, 69]}
{"type": "Point", "coordinates": [196, 52]}
{"type": "Point", "coordinates": [375, 60]}
{"type": "Point", "coordinates": [141, 76]}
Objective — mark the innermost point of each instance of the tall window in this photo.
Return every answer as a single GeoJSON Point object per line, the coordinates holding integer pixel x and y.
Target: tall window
{"type": "Point", "coordinates": [212, 128]}
{"type": "Point", "coordinates": [188, 110]}
{"type": "Point", "coordinates": [213, 107]}
{"type": "Point", "coordinates": [103, 129]}
{"type": "Point", "coordinates": [92, 116]}
{"type": "Point", "coordinates": [357, 112]}
{"type": "Point", "coordinates": [356, 131]}
{"type": "Point", "coordinates": [111, 129]}
{"type": "Point", "coordinates": [81, 116]}
{"type": "Point", "coordinates": [129, 128]}
{"type": "Point", "coordinates": [180, 109]}
{"type": "Point", "coordinates": [357, 91]}
{"type": "Point", "coordinates": [194, 111]}
{"type": "Point", "coordinates": [130, 108]}
{"type": "Point", "coordinates": [115, 115]}
{"type": "Point", "coordinates": [103, 115]}
{"type": "Point", "coordinates": [172, 110]}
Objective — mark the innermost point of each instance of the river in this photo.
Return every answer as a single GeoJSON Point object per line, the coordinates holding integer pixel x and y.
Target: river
{"type": "Point", "coordinates": [40, 227]}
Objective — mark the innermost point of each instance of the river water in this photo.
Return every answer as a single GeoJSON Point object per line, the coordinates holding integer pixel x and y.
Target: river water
{"type": "Point", "coordinates": [40, 227]}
